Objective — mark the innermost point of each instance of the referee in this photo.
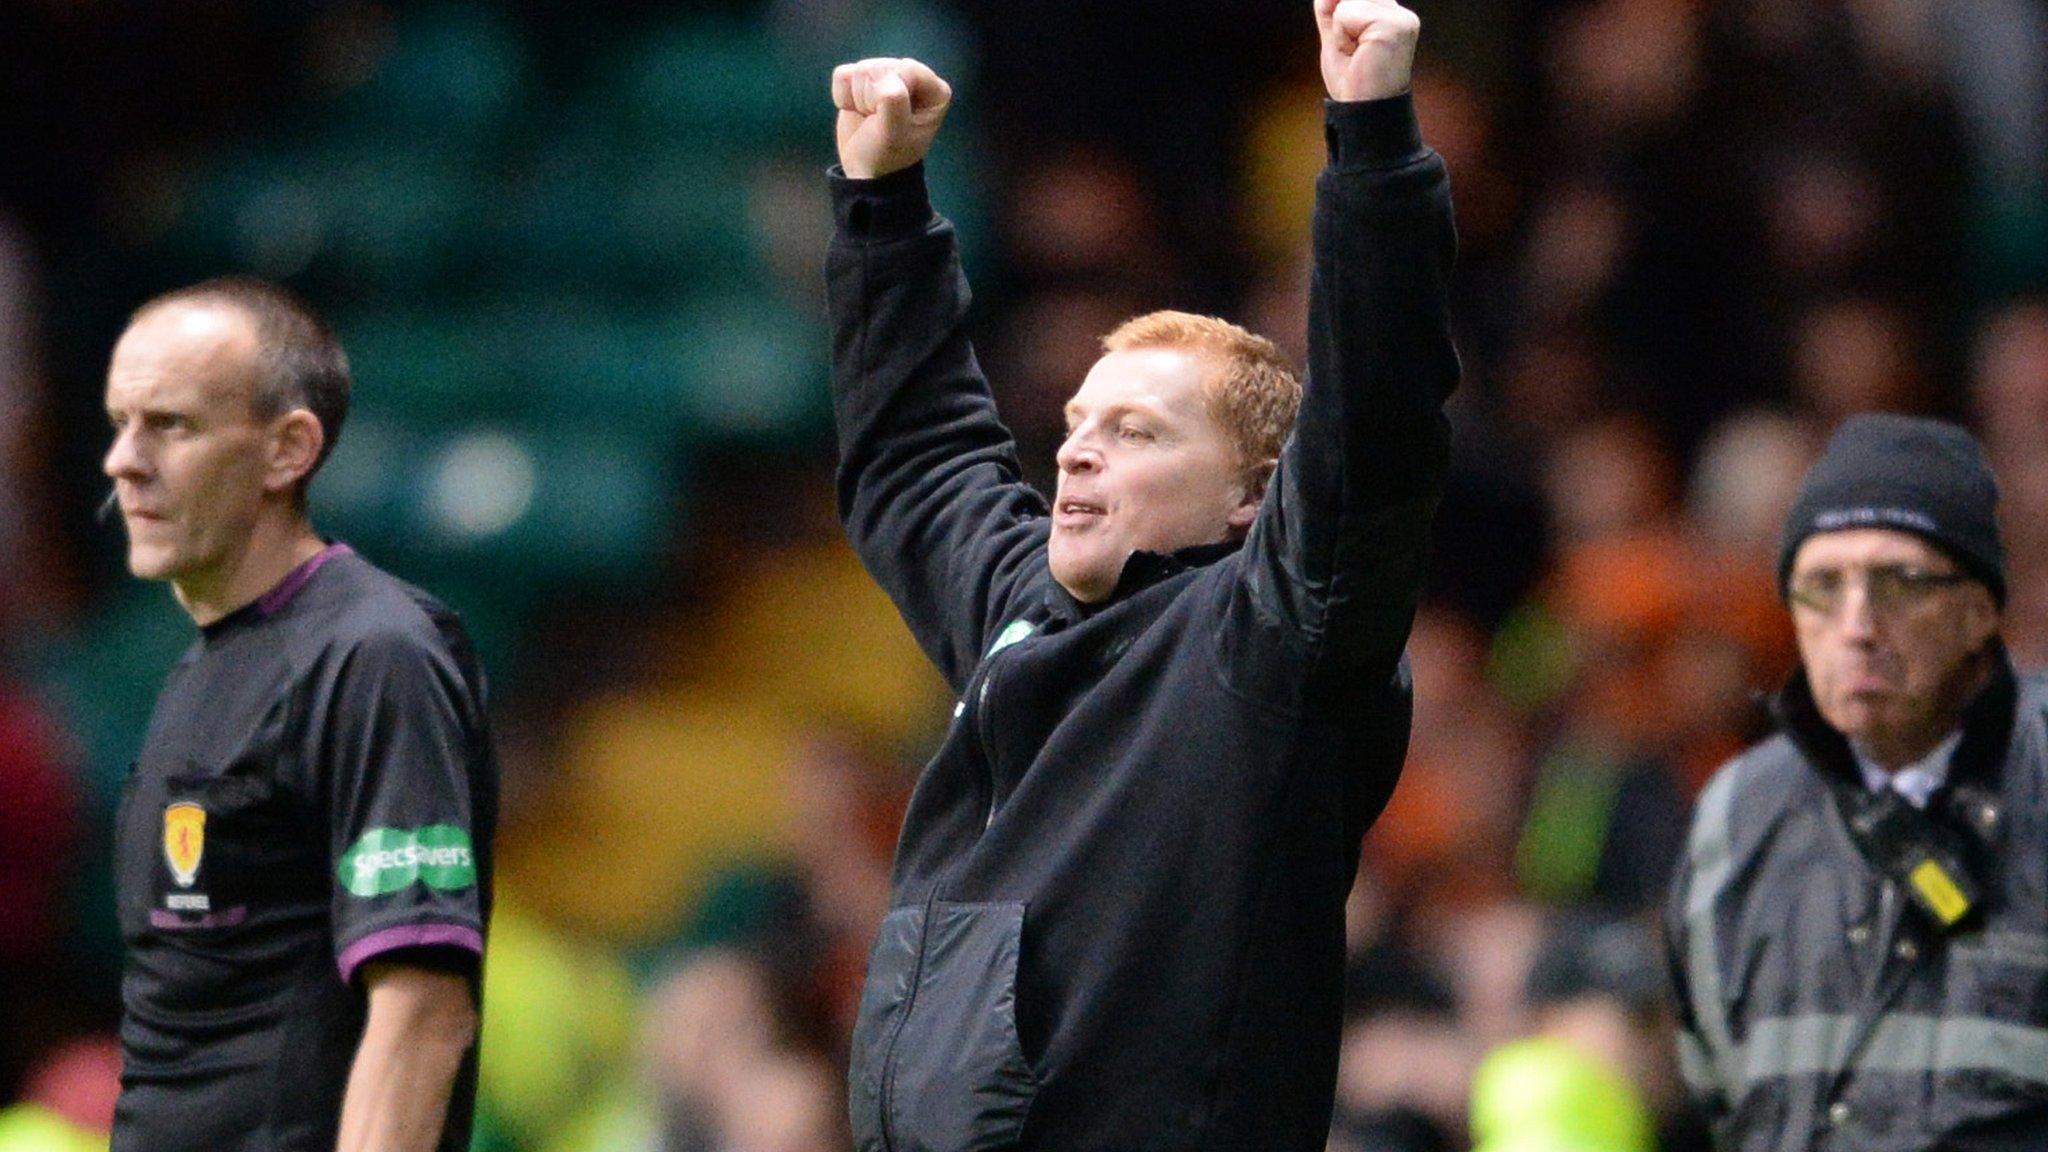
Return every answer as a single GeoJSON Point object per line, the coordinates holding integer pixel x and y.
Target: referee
{"type": "Point", "coordinates": [302, 853]}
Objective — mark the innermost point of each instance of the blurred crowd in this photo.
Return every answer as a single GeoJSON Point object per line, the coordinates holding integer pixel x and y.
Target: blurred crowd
{"type": "Point", "coordinates": [1695, 234]}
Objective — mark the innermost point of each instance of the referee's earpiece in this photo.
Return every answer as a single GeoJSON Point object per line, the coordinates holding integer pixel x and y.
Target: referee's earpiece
{"type": "Point", "coordinates": [105, 515]}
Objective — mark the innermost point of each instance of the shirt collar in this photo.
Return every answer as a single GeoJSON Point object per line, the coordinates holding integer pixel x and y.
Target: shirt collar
{"type": "Point", "coordinates": [1918, 781]}
{"type": "Point", "coordinates": [280, 595]}
{"type": "Point", "coordinates": [294, 582]}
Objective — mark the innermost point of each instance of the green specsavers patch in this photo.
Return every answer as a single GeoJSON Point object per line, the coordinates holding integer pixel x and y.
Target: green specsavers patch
{"type": "Point", "coordinates": [387, 860]}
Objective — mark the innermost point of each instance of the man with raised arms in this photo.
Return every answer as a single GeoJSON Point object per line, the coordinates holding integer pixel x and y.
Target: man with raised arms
{"type": "Point", "coordinates": [1118, 907]}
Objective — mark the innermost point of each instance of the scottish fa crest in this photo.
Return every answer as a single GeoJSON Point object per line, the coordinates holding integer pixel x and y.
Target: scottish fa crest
{"type": "Point", "coordinates": [184, 841]}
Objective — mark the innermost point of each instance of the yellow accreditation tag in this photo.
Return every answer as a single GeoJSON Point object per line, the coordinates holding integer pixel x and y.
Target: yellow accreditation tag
{"type": "Point", "coordinates": [1941, 893]}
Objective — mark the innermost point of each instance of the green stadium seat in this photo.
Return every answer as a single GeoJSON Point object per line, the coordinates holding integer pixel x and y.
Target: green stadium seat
{"type": "Point", "coordinates": [104, 676]}
{"type": "Point", "coordinates": [369, 216]}
{"type": "Point", "coordinates": [915, 28]}
{"type": "Point", "coordinates": [614, 218]}
{"type": "Point", "coordinates": [557, 222]}
{"type": "Point", "coordinates": [366, 489]}
{"type": "Point", "coordinates": [730, 368]}
{"type": "Point", "coordinates": [720, 83]}
{"type": "Point", "coordinates": [505, 504]}
{"type": "Point", "coordinates": [689, 224]}
{"type": "Point", "coordinates": [584, 364]}
{"type": "Point", "coordinates": [422, 366]}
{"type": "Point", "coordinates": [757, 371]}
{"type": "Point", "coordinates": [454, 71]}
{"type": "Point", "coordinates": [734, 367]}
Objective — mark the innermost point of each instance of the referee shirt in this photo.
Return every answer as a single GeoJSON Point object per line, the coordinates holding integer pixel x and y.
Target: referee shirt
{"type": "Point", "coordinates": [317, 789]}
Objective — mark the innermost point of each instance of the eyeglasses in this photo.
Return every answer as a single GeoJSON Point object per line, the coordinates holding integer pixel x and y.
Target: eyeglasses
{"type": "Point", "coordinates": [1889, 589]}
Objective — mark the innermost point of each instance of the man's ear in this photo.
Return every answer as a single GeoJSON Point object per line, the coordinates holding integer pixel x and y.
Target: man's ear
{"type": "Point", "coordinates": [295, 444]}
{"type": "Point", "coordinates": [1247, 509]}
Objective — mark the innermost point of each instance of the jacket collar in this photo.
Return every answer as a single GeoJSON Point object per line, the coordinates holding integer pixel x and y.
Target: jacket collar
{"type": "Point", "coordinates": [1141, 571]}
{"type": "Point", "coordinates": [1987, 729]}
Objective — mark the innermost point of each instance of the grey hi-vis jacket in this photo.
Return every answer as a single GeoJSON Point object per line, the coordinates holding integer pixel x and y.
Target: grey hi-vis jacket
{"type": "Point", "coordinates": [1818, 1007]}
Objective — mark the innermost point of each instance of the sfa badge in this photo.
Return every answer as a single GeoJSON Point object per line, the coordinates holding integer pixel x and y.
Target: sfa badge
{"type": "Point", "coordinates": [184, 841]}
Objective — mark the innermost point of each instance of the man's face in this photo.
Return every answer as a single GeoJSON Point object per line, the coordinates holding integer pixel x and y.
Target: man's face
{"type": "Point", "coordinates": [1145, 467]}
{"type": "Point", "coordinates": [189, 457]}
{"type": "Point", "coordinates": [1891, 660]}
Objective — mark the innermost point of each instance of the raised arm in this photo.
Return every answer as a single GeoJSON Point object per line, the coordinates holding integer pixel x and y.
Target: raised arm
{"type": "Point", "coordinates": [929, 486]}
{"type": "Point", "coordinates": [1336, 555]}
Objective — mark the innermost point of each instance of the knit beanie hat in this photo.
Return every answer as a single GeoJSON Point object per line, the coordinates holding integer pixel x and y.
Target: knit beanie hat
{"type": "Point", "coordinates": [1914, 475]}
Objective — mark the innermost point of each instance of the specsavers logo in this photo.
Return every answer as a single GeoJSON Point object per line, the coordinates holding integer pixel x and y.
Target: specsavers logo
{"type": "Point", "coordinates": [184, 840]}
{"type": "Point", "coordinates": [387, 860]}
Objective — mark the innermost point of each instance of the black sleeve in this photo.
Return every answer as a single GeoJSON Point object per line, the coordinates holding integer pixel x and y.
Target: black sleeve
{"type": "Point", "coordinates": [930, 490]}
{"type": "Point", "coordinates": [400, 758]}
{"type": "Point", "coordinates": [1335, 558]}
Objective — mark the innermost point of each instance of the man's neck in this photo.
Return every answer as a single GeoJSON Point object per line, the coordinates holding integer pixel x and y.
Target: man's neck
{"type": "Point", "coordinates": [277, 546]}
{"type": "Point", "coordinates": [1893, 755]}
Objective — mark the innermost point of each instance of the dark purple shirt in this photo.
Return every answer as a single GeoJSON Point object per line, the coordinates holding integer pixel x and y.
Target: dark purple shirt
{"type": "Point", "coordinates": [317, 788]}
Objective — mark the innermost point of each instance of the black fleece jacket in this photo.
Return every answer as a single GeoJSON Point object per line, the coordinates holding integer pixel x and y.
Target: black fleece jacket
{"type": "Point", "coordinates": [1118, 907]}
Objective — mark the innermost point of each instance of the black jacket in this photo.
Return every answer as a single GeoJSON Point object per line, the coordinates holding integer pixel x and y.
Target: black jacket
{"type": "Point", "coordinates": [1820, 1009]}
{"type": "Point", "coordinates": [1119, 893]}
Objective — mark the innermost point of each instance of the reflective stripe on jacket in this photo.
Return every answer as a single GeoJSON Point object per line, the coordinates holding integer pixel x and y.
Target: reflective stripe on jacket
{"type": "Point", "coordinates": [1817, 1007]}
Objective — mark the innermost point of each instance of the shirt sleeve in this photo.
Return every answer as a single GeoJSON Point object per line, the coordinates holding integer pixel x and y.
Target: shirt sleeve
{"type": "Point", "coordinates": [404, 750]}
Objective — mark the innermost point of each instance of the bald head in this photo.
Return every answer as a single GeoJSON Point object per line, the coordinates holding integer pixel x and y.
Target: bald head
{"type": "Point", "coordinates": [291, 359]}
{"type": "Point", "coordinates": [210, 347]}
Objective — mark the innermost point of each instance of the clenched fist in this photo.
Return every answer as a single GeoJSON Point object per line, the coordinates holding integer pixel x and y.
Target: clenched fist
{"type": "Point", "coordinates": [889, 110]}
{"type": "Point", "coordinates": [1368, 47]}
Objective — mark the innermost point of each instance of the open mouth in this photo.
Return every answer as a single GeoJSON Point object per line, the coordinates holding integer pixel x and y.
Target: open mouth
{"type": "Point", "coordinates": [1069, 512]}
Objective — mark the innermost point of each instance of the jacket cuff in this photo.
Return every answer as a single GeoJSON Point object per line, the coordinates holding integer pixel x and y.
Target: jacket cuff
{"type": "Point", "coordinates": [1372, 134]}
{"type": "Point", "coordinates": [886, 207]}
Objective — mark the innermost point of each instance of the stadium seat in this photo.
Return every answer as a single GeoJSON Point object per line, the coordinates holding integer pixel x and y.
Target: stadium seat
{"type": "Point", "coordinates": [759, 371]}
{"type": "Point", "coordinates": [365, 216]}
{"type": "Point", "coordinates": [722, 83]}
{"type": "Point", "coordinates": [656, 374]}
{"type": "Point", "coordinates": [104, 677]}
{"type": "Point", "coordinates": [553, 505]}
{"type": "Point", "coordinates": [454, 71]}
{"type": "Point", "coordinates": [581, 214]}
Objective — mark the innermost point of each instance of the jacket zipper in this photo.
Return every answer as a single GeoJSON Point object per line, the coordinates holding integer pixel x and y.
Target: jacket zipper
{"type": "Point", "coordinates": [983, 728]}
{"type": "Point", "coordinates": [987, 749]}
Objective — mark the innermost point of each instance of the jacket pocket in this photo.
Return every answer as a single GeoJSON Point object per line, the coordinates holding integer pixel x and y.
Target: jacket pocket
{"type": "Point", "coordinates": [892, 969]}
{"type": "Point", "coordinates": [937, 1065]}
{"type": "Point", "coordinates": [2000, 977]}
{"type": "Point", "coordinates": [1986, 1057]}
